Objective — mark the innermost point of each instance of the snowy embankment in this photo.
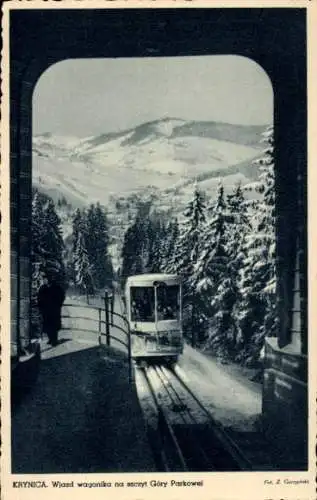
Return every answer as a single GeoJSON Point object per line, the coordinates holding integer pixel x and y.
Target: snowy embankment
{"type": "Point", "coordinates": [231, 398]}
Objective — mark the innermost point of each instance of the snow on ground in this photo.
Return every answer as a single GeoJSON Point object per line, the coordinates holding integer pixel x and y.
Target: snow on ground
{"type": "Point", "coordinates": [231, 399]}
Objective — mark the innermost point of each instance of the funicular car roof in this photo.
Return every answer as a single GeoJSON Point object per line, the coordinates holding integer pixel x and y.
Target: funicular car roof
{"type": "Point", "coordinates": [149, 279]}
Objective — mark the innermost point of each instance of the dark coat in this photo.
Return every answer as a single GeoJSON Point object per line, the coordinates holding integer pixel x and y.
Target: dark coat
{"type": "Point", "coordinates": [50, 301]}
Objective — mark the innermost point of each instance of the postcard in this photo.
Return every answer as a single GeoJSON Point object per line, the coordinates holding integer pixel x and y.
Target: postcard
{"type": "Point", "coordinates": [158, 242]}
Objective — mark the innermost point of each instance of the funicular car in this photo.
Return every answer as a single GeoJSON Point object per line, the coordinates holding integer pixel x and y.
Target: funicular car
{"type": "Point", "coordinates": [154, 312]}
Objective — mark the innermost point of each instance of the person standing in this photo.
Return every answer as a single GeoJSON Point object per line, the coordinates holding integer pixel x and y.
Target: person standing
{"type": "Point", "coordinates": [50, 300]}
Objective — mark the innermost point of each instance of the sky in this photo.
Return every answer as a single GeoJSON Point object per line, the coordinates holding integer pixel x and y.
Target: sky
{"type": "Point", "coordinates": [85, 97]}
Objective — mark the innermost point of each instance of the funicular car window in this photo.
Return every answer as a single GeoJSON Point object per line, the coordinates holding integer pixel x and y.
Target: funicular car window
{"type": "Point", "coordinates": [142, 304]}
{"type": "Point", "coordinates": [168, 302]}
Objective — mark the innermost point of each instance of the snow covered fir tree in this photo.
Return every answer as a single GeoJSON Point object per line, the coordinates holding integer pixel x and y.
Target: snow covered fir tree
{"type": "Point", "coordinates": [80, 260]}
{"type": "Point", "coordinates": [90, 265]}
{"type": "Point", "coordinates": [47, 250]}
{"type": "Point", "coordinates": [184, 258]}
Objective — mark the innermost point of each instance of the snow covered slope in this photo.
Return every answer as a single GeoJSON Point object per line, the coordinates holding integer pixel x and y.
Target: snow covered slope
{"type": "Point", "coordinates": [166, 154]}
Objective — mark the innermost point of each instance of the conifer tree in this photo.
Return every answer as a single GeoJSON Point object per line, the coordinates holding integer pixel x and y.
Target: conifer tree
{"type": "Point", "coordinates": [38, 233]}
{"type": "Point", "coordinates": [168, 245]}
{"type": "Point", "coordinates": [47, 250]}
{"type": "Point", "coordinates": [239, 228]}
{"type": "Point", "coordinates": [240, 224]}
{"type": "Point", "coordinates": [37, 259]}
{"type": "Point", "coordinates": [131, 258]}
{"type": "Point", "coordinates": [212, 258]}
{"type": "Point", "coordinates": [78, 223]}
{"type": "Point", "coordinates": [258, 316]}
{"type": "Point", "coordinates": [211, 278]}
{"type": "Point", "coordinates": [154, 235]}
{"type": "Point", "coordinates": [267, 229]}
{"type": "Point", "coordinates": [267, 220]}
{"type": "Point", "coordinates": [138, 248]}
{"type": "Point", "coordinates": [53, 243]}
{"type": "Point", "coordinates": [187, 247]}
{"type": "Point", "coordinates": [78, 228]}
{"type": "Point", "coordinates": [96, 243]}
{"type": "Point", "coordinates": [186, 251]}
{"type": "Point", "coordinates": [82, 267]}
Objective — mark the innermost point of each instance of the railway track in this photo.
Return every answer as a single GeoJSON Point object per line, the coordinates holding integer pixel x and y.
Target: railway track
{"type": "Point", "coordinates": [184, 435]}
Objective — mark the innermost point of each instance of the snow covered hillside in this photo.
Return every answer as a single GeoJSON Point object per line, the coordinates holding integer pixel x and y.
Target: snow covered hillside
{"type": "Point", "coordinates": [167, 154]}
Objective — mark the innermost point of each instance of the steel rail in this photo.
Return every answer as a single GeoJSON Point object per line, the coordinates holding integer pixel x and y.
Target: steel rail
{"type": "Point", "coordinates": [150, 429]}
{"type": "Point", "coordinates": [164, 421]}
{"type": "Point", "coordinates": [229, 445]}
{"type": "Point", "coordinates": [169, 391]}
{"type": "Point", "coordinates": [201, 450]}
{"type": "Point", "coordinates": [165, 374]}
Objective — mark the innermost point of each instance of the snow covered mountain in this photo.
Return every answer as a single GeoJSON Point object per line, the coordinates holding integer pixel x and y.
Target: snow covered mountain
{"type": "Point", "coordinates": [167, 155]}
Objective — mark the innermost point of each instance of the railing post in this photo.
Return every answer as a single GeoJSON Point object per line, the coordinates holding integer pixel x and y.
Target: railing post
{"type": "Point", "coordinates": [130, 357]}
{"type": "Point", "coordinates": [112, 306]}
{"type": "Point", "coordinates": [99, 326]}
{"type": "Point", "coordinates": [107, 318]}
{"type": "Point", "coordinates": [193, 326]}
